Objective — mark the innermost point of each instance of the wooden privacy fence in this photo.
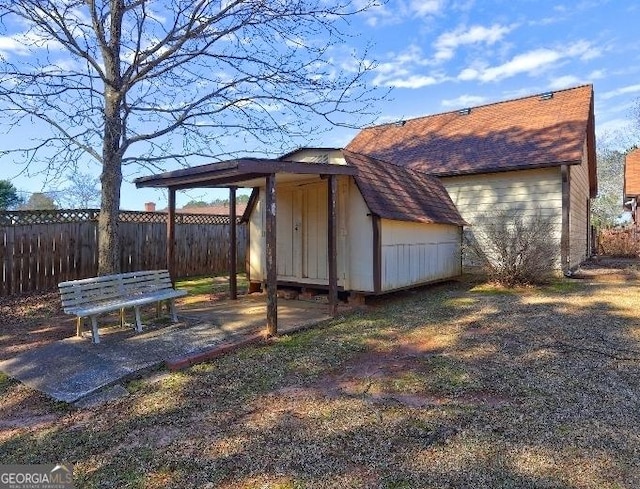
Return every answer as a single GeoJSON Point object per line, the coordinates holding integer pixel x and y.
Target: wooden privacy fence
{"type": "Point", "coordinates": [39, 249]}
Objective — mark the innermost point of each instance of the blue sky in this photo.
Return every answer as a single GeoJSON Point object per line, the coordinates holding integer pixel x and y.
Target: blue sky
{"type": "Point", "coordinates": [440, 55]}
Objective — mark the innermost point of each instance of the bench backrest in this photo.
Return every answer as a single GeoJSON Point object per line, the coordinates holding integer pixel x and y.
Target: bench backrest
{"type": "Point", "coordinates": [77, 293]}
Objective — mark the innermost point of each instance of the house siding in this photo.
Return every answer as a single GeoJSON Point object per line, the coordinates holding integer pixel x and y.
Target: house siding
{"type": "Point", "coordinates": [578, 212]}
{"type": "Point", "coordinates": [414, 253]}
{"type": "Point", "coordinates": [529, 192]}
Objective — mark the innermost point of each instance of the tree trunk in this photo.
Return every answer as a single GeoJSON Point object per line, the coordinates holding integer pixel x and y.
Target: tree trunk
{"type": "Point", "coordinates": [111, 179]}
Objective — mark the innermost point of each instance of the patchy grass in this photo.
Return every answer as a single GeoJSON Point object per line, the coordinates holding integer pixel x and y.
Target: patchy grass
{"type": "Point", "coordinates": [457, 385]}
{"type": "Point", "coordinates": [211, 285]}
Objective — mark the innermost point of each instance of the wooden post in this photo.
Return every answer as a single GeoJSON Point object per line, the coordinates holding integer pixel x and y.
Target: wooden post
{"type": "Point", "coordinates": [171, 235]}
{"type": "Point", "coordinates": [565, 237]}
{"type": "Point", "coordinates": [272, 271]}
{"type": "Point", "coordinates": [377, 254]}
{"type": "Point", "coordinates": [332, 247]}
{"type": "Point", "coordinates": [233, 245]}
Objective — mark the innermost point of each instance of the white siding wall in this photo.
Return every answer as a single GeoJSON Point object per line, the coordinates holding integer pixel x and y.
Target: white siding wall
{"type": "Point", "coordinates": [414, 253]}
{"type": "Point", "coordinates": [359, 240]}
{"type": "Point", "coordinates": [528, 191]}
{"type": "Point", "coordinates": [579, 211]}
{"type": "Point", "coordinates": [257, 240]}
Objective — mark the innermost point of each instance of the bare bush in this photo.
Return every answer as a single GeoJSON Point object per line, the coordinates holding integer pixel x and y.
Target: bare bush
{"type": "Point", "coordinates": [512, 249]}
{"type": "Point", "coordinates": [619, 242]}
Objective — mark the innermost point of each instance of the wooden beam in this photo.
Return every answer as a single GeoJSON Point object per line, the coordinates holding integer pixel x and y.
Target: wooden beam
{"type": "Point", "coordinates": [233, 246]}
{"type": "Point", "coordinates": [171, 235]}
{"type": "Point", "coordinates": [332, 248]}
{"type": "Point", "coordinates": [270, 241]}
{"type": "Point", "coordinates": [377, 254]}
{"type": "Point", "coordinates": [565, 238]}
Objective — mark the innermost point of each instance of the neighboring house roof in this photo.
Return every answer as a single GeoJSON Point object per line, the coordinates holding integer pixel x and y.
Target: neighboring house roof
{"type": "Point", "coordinates": [632, 174]}
{"type": "Point", "coordinates": [218, 210]}
{"type": "Point", "coordinates": [531, 132]}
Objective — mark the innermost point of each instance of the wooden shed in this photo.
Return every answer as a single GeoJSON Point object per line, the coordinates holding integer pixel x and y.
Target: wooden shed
{"type": "Point", "coordinates": [336, 219]}
{"type": "Point", "coordinates": [396, 228]}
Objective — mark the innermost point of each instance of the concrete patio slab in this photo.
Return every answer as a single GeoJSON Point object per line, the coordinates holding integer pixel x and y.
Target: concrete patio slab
{"type": "Point", "coordinates": [74, 368]}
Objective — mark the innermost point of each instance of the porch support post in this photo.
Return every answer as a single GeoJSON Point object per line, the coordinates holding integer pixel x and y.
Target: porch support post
{"type": "Point", "coordinates": [271, 265]}
{"type": "Point", "coordinates": [332, 254]}
{"type": "Point", "coordinates": [171, 235]}
{"type": "Point", "coordinates": [233, 246]}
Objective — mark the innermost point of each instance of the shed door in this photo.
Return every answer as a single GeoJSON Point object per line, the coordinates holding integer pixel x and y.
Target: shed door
{"type": "Point", "coordinates": [289, 233]}
{"type": "Point", "coordinates": [302, 232]}
{"type": "Point", "coordinates": [314, 232]}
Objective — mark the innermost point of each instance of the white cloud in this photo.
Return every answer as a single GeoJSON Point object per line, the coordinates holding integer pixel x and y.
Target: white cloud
{"type": "Point", "coordinates": [621, 91]}
{"type": "Point", "coordinates": [9, 44]}
{"type": "Point", "coordinates": [532, 62]}
{"type": "Point", "coordinates": [403, 71]}
{"type": "Point", "coordinates": [464, 101]}
{"type": "Point", "coordinates": [564, 82]}
{"type": "Point", "coordinates": [597, 74]}
{"type": "Point", "coordinates": [448, 42]}
{"type": "Point", "coordinates": [24, 43]}
{"type": "Point", "coordinates": [413, 81]}
{"type": "Point", "coordinates": [400, 10]}
{"type": "Point", "coordinates": [422, 8]}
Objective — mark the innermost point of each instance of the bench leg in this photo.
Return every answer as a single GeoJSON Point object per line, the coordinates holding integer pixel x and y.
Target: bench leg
{"type": "Point", "coordinates": [172, 308]}
{"type": "Point", "coordinates": [122, 321]}
{"type": "Point", "coordinates": [94, 327]}
{"type": "Point", "coordinates": [79, 326]}
{"type": "Point", "coordinates": [138, 320]}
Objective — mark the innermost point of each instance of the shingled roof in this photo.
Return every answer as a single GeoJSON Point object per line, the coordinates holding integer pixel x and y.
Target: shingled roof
{"type": "Point", "coordinates": [394, 192]}
{"type": "Point", "coordinates": [632, 174]}
{"type": "Point", "coordinates": [539, 131]}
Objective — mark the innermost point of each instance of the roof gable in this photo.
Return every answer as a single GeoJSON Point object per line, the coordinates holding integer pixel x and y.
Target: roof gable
{"type": "Point", "coordinates": [530, 132]}
{"type": "Point", "coordinates": [632, 174]}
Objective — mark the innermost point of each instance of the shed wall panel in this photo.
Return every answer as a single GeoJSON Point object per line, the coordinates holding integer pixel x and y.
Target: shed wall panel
{"type": "Point", "coordinates": [414, 253]}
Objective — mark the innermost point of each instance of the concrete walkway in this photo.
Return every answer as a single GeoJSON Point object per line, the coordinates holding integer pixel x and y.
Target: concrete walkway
{"type": "Point", "coordinates": [74, 368]}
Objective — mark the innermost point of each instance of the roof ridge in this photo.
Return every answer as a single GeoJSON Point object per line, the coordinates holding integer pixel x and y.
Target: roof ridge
{"type": "Point", "coordinates": [489, 104]}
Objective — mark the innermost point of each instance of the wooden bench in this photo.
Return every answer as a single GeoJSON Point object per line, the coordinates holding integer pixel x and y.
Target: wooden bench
{"type": "Point", "coordinates": [93, 296]}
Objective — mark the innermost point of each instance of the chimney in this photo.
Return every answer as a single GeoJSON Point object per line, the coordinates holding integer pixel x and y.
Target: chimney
{"type": "Point", "coordinates": [150, 206]}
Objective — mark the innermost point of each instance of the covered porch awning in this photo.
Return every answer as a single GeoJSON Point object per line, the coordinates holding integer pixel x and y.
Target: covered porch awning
{"type": "Point", "coordinates": [251, 173]}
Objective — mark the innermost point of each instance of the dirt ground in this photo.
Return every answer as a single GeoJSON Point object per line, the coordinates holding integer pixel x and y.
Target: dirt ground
{"type": "Point", "coordinates": [457, 385]}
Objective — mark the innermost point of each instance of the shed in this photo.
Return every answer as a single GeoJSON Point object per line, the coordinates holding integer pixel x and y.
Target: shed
{"type": "Point", "coordinates": [346, 222]}
{"type": "Point", "coordinates": [396, 228]}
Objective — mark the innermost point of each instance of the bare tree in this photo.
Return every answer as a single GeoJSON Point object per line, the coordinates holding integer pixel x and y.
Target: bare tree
{"type": "Point", "coordinates": [130, 82]}
{"type": "Point", "coordinates": [83, 191]}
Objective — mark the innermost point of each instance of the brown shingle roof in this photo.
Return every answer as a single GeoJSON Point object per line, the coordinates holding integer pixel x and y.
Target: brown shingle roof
{"type": "Point", "coordinates": [529, 132]}
{"type": "Point", "coordinates": [632, 174]}
{"type": "Point", "coordinates": [394, 192]}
